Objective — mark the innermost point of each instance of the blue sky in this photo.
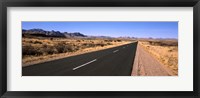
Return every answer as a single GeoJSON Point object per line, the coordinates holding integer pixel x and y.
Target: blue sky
{"type": "Point", "coordinates": [113, 29]}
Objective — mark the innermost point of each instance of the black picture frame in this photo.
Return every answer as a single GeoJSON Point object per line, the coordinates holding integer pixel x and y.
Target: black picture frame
{"type": "Point", "coordinates": [98, 3]}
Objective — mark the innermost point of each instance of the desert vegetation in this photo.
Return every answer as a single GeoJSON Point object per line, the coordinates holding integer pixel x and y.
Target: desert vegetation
{"type": "Point", "coordinates": [165, 51]}
{"type": "Point", "coordinates": [40, 49]}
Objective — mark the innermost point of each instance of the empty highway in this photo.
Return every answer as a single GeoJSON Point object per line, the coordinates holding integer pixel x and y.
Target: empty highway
{"type": "Point", "coordinates": [117, 61]}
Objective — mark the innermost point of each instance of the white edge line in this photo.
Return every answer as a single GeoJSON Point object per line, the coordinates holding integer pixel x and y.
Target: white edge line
{"type": "Point", "coordinates": [84, 64]}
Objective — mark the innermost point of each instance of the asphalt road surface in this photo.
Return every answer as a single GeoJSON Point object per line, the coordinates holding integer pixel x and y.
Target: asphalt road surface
{"type": "Point", "coordinates": [117, 61]}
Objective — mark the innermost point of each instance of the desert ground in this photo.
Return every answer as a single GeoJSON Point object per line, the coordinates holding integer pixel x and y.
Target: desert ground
{"type": "Point", "coordinates": [42, 49]}
{"type": "Point", "coordinates": [162, 55]}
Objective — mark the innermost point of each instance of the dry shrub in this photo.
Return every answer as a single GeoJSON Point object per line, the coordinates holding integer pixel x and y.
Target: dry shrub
{"type": "Point", "coordinates": [37, 42]}
{"type": "Point", "coordinates": [30, 50]}
{"type": "Point", "coordinates": [51, 38]}
{"type": "Point", "coordinates": [101, 44]}
{"type": "Point", "coordinates": [119, 40]}
{"type": "Point", "coordinates": [30, 41]}
{"type": "Point", "coordinates": [49, 49]}
{"type": "Point", "coordinates": [86, 45]}
{"type": "Point", "coordinates": [109, 44]}
{"type": "Point", "coordinates": [108, 40]}
{"type": "Point", "coordinates": [62, 47]}
{"type": "Point", "coordinates": [78, 40]}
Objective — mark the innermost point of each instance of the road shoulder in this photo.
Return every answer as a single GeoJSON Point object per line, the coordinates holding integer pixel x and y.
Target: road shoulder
{"type": "Point", "coordinates": [146, 65]}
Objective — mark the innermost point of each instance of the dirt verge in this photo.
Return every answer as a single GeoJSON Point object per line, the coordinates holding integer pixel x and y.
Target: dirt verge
{"type": "Point", "coordinates": [146, 65]}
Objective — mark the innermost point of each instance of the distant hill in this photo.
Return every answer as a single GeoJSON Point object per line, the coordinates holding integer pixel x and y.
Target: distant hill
{"type": "Point", "coordinates": [43, 33]}
{"type": "Point", "coordinates": [107, 37]}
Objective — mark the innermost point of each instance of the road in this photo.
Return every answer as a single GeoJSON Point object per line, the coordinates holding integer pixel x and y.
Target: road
{"type": "Point", "coordinates": [117, 61]}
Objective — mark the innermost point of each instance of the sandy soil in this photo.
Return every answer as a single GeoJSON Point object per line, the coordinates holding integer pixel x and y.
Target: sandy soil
{"type": "Point", "coordinates": [146, 65]}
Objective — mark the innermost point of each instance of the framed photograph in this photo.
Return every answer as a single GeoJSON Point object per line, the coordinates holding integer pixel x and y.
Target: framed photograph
{"type": "Point", "coordinates": [102, 48]}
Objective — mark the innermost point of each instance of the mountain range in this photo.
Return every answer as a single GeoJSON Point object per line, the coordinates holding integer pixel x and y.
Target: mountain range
{"type": "Point", "coordinates": [44, 33]}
